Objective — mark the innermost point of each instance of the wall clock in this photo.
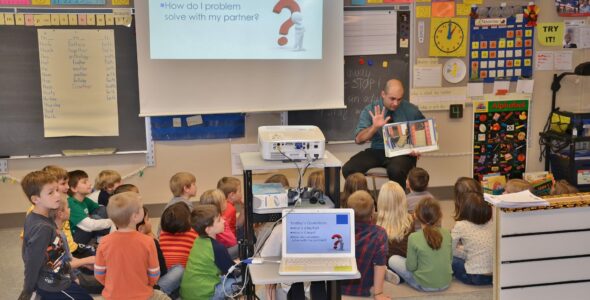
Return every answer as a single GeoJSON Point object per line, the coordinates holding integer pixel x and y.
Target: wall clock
{"type": "Point", "coordinates": [448, 37]}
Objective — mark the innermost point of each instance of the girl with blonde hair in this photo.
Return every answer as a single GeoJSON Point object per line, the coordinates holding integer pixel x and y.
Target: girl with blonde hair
{"type": "Point", "coordinates": [393, 216]}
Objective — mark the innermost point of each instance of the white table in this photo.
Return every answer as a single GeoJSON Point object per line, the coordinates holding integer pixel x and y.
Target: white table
{"type": "Point", "coordinates": [268, 273]}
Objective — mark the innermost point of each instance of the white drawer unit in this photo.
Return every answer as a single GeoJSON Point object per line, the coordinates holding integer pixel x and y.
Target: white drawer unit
{"type": "Point", "coordinates": [542, 254]}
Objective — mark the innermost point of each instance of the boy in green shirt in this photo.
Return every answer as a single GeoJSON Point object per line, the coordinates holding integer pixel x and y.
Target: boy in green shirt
{"type": "Point", "coordinates": [208, 260]}
{"type": "Point", "coordinates": [83, 227]}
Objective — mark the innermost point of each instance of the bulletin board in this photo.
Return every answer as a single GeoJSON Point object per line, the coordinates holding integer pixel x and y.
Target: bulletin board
{"type": "Point", "coordinates": [215, 126]}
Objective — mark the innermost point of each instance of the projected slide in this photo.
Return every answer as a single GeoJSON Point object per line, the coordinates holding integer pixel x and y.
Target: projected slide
{"type": "Point", "coordinates": [318, 233]}
{"type": "Point", "coordinates": [235, 29]}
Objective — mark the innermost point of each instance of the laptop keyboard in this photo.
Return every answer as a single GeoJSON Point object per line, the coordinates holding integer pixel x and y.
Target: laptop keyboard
{"type": "Point", "coordinates": [309, 261]}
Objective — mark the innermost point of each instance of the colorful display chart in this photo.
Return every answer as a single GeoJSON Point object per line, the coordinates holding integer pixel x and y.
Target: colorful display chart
{"type": "Point", "coordinates": [500, 138]}
{"type": "Point", "coordinates": [500, 51]}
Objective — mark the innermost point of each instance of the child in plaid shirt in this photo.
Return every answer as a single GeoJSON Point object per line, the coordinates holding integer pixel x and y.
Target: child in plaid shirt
{"type": "Point", "coordinates": [371, 249]}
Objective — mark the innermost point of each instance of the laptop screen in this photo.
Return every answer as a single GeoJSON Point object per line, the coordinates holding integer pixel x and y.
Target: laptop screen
{"type": "Point", "coordinates": [318, 233]}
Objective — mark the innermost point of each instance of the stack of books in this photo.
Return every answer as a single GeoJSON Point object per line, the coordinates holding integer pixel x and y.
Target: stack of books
{"type": "Point", "coordinates": [540, 181]}
{"type": "Point", "coordinates": [493, 183]}
{"type": "Point", "coordinates": [516, 200]}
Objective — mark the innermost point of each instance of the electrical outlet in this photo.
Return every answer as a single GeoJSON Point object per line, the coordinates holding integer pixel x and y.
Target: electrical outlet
{"type": "Point", "coordinates": [3, 166]}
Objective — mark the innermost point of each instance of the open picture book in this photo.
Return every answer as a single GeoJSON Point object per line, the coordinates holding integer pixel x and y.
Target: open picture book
{"type": "Point", "coordinates": [404, 137]}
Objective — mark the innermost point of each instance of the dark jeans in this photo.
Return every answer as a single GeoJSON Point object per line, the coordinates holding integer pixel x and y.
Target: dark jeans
{"type": "Point", "coordinates": [317, 291]}
{"type": "Point", "coordinates": [89, 283]}
{"type": "Point", "coordinates": [397, 167]}
{"type": "Point", "coordinates": [72, 292]}
{"type": "Point", "coordinates": [472, 279]}
{"type": "Point", "coordinates": [84, 237]}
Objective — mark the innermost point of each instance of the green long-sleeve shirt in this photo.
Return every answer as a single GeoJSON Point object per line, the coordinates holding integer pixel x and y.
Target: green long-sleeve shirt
{"type": "Point", "coordinates": [431, 268]}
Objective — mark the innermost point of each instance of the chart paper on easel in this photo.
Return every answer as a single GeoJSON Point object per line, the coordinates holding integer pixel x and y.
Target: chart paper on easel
{"type": "Point", "coordinates": [78, 82]}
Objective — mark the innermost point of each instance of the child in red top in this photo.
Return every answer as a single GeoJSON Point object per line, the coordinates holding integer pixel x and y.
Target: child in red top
{"type": "Point", "coordinates": [232, 189]}
{"type": "Point", "coordinates": [177, 236]}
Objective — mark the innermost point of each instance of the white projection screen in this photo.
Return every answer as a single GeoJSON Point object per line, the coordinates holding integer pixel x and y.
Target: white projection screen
{"type": "Point", "coordinates": [208, 86]}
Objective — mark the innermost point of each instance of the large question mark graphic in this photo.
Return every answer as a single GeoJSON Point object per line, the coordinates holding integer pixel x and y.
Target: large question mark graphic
{"type": "Point", "coordinates": [284, 30]}
{"type": "Point", "coordinates": [337, 241]}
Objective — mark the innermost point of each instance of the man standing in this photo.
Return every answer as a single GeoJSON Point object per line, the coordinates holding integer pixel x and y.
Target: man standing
{"type": "Point", "coordinates": [389, 109]}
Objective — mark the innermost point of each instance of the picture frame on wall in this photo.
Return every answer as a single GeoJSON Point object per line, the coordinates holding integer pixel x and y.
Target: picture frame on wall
{"type": "Point", "coordinates": [573, 8]}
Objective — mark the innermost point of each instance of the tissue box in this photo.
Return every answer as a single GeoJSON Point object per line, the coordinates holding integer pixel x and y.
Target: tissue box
{"type": "Point", "coordinates": [269, 196]}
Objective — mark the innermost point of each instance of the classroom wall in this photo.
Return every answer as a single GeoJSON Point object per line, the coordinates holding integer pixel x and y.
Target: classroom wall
{"type": "Point", "coordinates": [210, 160]}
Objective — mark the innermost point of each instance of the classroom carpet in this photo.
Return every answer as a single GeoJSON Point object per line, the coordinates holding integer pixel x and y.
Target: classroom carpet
{"type": "Point", "coordinates": [11, 271]}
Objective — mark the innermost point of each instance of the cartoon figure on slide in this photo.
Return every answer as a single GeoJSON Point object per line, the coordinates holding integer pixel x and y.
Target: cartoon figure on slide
{"type": "Point", "coordinates": [299, 31]}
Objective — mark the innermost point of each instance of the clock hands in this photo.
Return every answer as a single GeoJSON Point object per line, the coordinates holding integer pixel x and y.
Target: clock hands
{"type": "Point", "coordinates": [449, 32]}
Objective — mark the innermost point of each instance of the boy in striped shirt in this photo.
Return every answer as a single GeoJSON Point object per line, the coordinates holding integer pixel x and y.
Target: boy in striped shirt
{"type": "Point", "coordinates": [126, 260]}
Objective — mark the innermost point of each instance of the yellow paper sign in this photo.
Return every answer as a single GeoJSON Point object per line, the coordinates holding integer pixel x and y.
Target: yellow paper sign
{"type": "Point", "coordinates": [100, 20]}
{"type": "Point", "coordinates": [120, 2]}
{"type": "Point", "coordinates": [9, 19]}
{"type": "Point", "coordinates": [472, 1]}
{"type": "Point", "coordinates": [90, 19]}
{"type": "Point", "coordinates": [422, 11]}
{"type": "Point", "coordinates": [42, 20]}
{"type": "Point", "coordinates": [550, 34]}
{"type": "Point", "coordinates": [463, 9]}
{"type": "Point", "coordinates": [54, 20]}
{"type": "Point", "coordinates": [109, 19]}
{"type": "Point", "coordinates": [63, 20]}
{"type": "Point", "coordinates": [123, 20]}
{"type": "Point", "coordinates": [73, 19]}
{"type": "Point", "coordinates": [41, 2]}
{"type": "Point", "coordinates": [1, 18]}
{"type": "Point", "coordinates": [19, 19]}
{"type": "Point", "coordinates": [374, 1]}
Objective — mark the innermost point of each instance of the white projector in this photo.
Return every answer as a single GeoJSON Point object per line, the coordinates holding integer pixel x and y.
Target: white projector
{"type": "Point", "coordinates": [291, 142]}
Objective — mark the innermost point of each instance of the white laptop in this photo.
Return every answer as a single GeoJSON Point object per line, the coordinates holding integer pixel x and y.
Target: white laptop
{"type": "Point", "coordinates": [318, 242]}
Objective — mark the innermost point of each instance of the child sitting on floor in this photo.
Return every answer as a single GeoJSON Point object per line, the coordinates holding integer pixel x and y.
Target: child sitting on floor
{"type": "Point", "coordinates": [427, 267]}
{"type": "Point", "coordinates": [473, 241]}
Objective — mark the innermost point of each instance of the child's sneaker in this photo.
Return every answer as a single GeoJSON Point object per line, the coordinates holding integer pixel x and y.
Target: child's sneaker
{"type": "Point", "coordinates": [391, 277]}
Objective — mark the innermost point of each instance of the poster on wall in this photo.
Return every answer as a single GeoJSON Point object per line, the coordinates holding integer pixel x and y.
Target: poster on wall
{"type": "Point", "coordinates": [576, 35]}
{"type": "Point", "coordinates": [572, 8]}
{"type": "Point", "coordinates": [501, 44]}
{"type": "Point", "coordinates": [500, 138]}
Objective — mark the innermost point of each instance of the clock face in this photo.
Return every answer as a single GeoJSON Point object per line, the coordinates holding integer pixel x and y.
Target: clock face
{"type": "Point", "coordinates": [448, 37]}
